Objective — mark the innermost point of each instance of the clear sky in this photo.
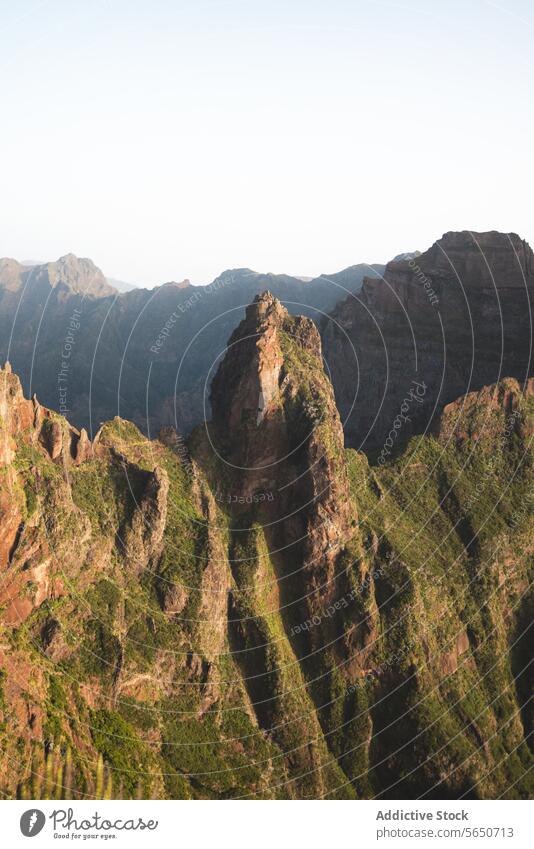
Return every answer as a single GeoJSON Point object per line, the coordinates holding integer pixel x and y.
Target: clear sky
{"type": "Point", "coordinates": [176, 139]}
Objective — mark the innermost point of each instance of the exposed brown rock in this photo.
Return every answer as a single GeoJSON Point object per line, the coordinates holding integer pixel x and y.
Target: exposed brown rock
{"type": "Point", "coordinates": [491, 415]}
{"type": "Point", "coordinates": [272, 436]}
{"type": "Point", "coordinates": [449, 661]}
{"type": "Point", "coordinates": [80, 446]}
{"type": "Point", "coordinates": [454, 319]}
{"type": "Point", "coordinates": [51, 437]}
{"type": "Point", "coordinates": [143, 539]}
{"type": "Point", "coordinates": [174, 598]}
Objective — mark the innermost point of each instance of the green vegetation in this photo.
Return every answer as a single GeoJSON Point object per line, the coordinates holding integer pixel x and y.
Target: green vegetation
{"type": "Point", "coordinates": [129, 759]}
{"type": "Point", "coordinates": [422, 677]}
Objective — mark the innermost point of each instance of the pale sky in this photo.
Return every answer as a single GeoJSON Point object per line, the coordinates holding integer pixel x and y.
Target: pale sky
{"type": "Point", "coordinates": [176, 139]}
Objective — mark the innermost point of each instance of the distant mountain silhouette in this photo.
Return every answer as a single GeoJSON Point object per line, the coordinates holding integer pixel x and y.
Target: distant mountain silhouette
{"type": "Point", "coordinates": [148, 355]}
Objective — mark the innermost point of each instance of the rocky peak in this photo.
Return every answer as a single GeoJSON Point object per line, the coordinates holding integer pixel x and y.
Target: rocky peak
{"type": "Point", "coordinates": [276, 431]}
{"type": "Point", "coordinates": [485, 260]}
{"type": "Point", "coordinates": [482, 260]}
{"type": "Point", "coordinates": [78, 275]}
{"type": "Point", "coordinates": [29, 422]}
{"type": "Point", "coordinates": [264, 313]}
{"type": "Point", "coordinates": [182, 284]}
{"type": "Point", "coordinates": [10, 273]}
{"type": "Point", "coordinates": [251, 378]}
{"type": "Point", "coordinates": [16, 413]}
{"type": "Point", "coordinates": [475, 262]}
{"type": "Point", "coordinates": [495, 415]}
{"type": "Point", "coordinates": [455, 318]}
{"type": "Point", "coordinates": [267, 312]}
{"type": "Point", "coordinates": [264, 307]}
{"type": "Point", "coordinates": [233, 275]}
{"type": "Point", "coordinates": [69, 273]}
{"type": "Point", "coordinates": [247, 379]}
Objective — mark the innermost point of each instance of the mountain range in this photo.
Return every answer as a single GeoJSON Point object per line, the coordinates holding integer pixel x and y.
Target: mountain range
{"type": "Point", "coordinates": [143, 354]}
{"type": "Point", "coordinates": [321, 587]}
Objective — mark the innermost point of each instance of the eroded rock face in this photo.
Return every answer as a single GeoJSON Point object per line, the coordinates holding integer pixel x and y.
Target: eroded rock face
{"type": "Point", "coordinates": [247, 381]}
{"type": "Point", "coordinates": [144, 535]}
{"type": "Point", "coordinates": [16, 413]}
{"type": "Point", "coordinates": [114, 589]}
{"type": "Point", "coordinates": [359, 600]}
{"type": "Point", "coordinates": [276, 429]}
{"type": "Point", "coordinates": [33, 424]}
{"type": "Point", "coordinates": [453, 319]}
{"type": "Point", "coordinates": [490, 417]}
{"type": "Point", "coordinates": [274, 457]}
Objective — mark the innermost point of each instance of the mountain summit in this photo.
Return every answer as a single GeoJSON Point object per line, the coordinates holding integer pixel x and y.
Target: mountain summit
{"type": "Point", "coordinates": [454, 319]}
{"type": "Point", "coordinates": [69, 273]}
{"type": "Point", "coordinates": [276, 429]}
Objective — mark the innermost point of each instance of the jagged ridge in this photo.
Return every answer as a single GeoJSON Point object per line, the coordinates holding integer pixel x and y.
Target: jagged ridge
{"type": "Point", "coordinates": [455, 318]}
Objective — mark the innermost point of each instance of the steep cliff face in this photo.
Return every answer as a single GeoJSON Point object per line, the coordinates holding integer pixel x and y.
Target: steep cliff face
{"type": "Point", "coordinates": [450, 699]}
{"type": "Point", "coordinates": [274, 456]}
{"type": "Point", "coordinates": [451, 320]}
{"type": "Point", "coordinates": [364, 570]}
{"type": "Point", "coordinates": [116, 673]}
{"type": "Point", "coordinates": [276, 430]}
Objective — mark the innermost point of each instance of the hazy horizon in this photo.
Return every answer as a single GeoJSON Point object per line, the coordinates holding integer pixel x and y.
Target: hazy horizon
{"type": "Point", "coordinates": [175, 140]}
{"type": "Point", "coordinates": [179, 279]}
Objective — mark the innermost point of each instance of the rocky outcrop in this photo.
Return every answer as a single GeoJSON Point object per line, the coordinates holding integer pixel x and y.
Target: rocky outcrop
{"type": "Point", "coordinates": [489, 415]}
{"type": "Point", "coordinates": [451, 320]}
{"type": "Point", "coordinates": [274, 455]}
{"type": "Point", "coordinates": [31, 423]}
{"type": "Point", "coordinates": [92, 652]}
{"type": "Point", "coordinates": [276, 429]}
{"type": "Point", "coordinates": [356, 575]}
{"type": "Point", "coordinates": [78, 275]}
{"type": "Point", "coordinates": [143, 537]}
{"type": "Point", "coordinates": [16, 413]}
